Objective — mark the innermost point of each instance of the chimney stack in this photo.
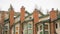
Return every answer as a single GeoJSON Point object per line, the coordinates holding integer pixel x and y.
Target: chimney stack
{"type": "Point", "coordinates": [22, 19]}
{"type": "Point", "coordinates": [22, 14]}
{"type": "Point", "coordinates": [53, 16]}
{"type": "Point", "coordinates": [36, 19]}
{"type": "Point", "coordinates": [11, 17]}
{"type": "Point", "coordinates": [36, 16]}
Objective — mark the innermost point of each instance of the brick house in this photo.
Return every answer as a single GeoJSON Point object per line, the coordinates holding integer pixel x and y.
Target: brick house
{"type": "Point", "coordinates": [29, 23]}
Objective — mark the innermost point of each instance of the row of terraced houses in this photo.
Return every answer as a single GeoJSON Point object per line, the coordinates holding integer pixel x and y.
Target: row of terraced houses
{"type": "Point", "coordinates": [23, 22]}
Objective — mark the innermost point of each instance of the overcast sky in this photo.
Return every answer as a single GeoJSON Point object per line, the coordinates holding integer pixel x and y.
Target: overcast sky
{"type": "Point", "coordinates": [30, 4]}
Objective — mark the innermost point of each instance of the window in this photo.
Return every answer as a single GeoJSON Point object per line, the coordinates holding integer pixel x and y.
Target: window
{"type": "Point", "coordinates": [5, 28]}
{"type": "Point", "coordinates": [41, 27]}
{"type": "Point", "coordinates": [16, 32]}
{"type": "Point", "coordinates": [46, 26]}
{"type": "Point", "coordinates": [0, 27]}
{"type": "Point", "coordinates": [46, 32]}
{"type": "Point", "coordinates": [56, 33]}
{"type": "Point", "coordinates": [6, 32]}
{"type": "Point", "coordinates": [25, 25]}
{"type": "Point", "coordinates": [29, 26]}
{"type": "Point", "coordinates": [56, 26]}
{"type": "Point", "coordinates": [37, 29]}
{"type": "Point", "coordinates": [30, 31]}
{"type": "Point", "coordinates": [25, 32]}
{"type": "Point", "coordinates": [41, 32]}
{"type": "Point", "coordinates": [16, 28]}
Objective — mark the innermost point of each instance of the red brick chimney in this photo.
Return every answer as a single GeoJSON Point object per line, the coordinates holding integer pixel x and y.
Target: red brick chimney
{"type": "Point", "coordinates": [22, 14]}
{"type": "Point", "coordinates": [35, 15]}
{"type": "Point", "coordinates": [53, 16]}
{"type": "Point", "coordinates": [11, 17]}
{"type": "Point", "coordinates": [22, 19]}
{"type": "Point", "coordinates": [36, 19]}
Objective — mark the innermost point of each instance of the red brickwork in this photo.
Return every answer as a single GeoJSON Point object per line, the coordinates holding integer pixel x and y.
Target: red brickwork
{"type": "Point", "coordinates": [53, 16]}
{"type": "Point", "coordinates": [22, 14]}
{"type": "Point", "coordinates": [36, 19]}
{"type": "Point", "coordinates": [52, 28]}
{"type": "Point", "coordinates": [11, 17]}
{"type": "Point", "coordinates": [35, 15]}
{"type": "Point", "coordinates": [22, 19]}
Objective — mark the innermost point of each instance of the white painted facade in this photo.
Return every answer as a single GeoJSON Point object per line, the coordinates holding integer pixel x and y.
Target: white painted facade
{"type": "Point", "coordinates": [58, 27]}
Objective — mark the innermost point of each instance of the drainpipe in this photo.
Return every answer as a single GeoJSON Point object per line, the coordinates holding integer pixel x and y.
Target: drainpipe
{"type": "Point", "coordinates": [14, 29]}
{"type": "Point", "coordinates": [43, 28]}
